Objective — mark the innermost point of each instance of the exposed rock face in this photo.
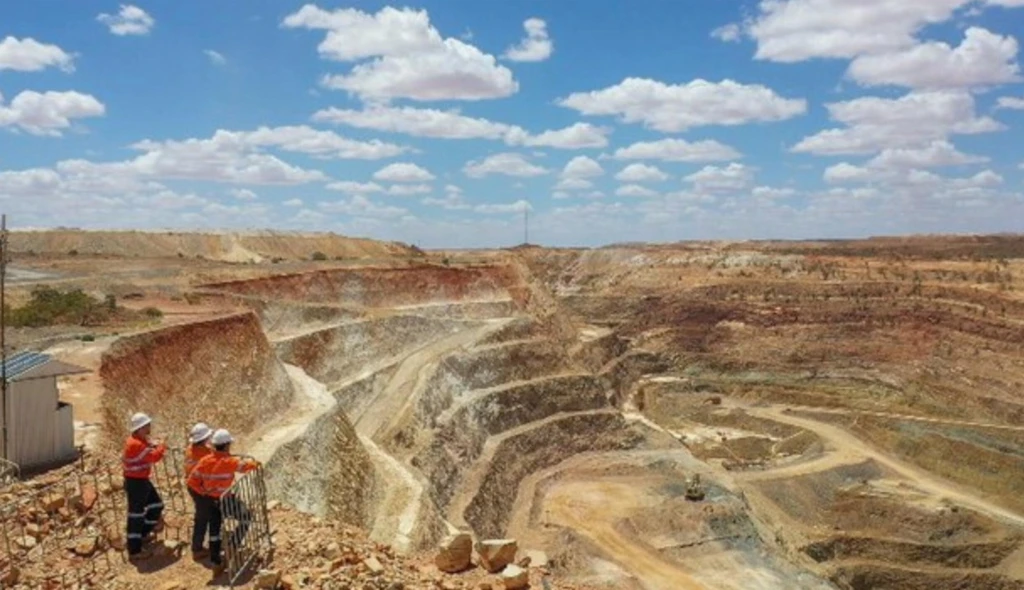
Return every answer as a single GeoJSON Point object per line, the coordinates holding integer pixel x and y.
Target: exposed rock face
{"type": "Point", "coordinates": [455, 553]}
{"type": "Point", "coordinates": [495, 554]}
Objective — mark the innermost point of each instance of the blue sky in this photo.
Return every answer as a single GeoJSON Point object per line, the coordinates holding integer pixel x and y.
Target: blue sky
{"type": "Point", "coordinates": [437, 123]}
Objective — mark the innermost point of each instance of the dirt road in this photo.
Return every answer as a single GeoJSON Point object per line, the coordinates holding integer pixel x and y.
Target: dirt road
{"type": "Point", "coordinates": [843, 448]}
{"type": "Point", "coordinates": [592, 507]}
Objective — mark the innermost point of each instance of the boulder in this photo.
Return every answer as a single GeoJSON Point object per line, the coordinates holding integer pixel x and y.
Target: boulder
{"type": "Point", "coordinates": [455, 554]}
{"type": "Point", "coordinates": [86, 547]}
{"type": "Point", "coordinates": [515, 578]}
{"type": "Point", "coordinates": [267, 579]}
{"type": "Point", "coordinates": [373, 564]}
{"type": "Point", "coordinates": [495, 554]}
{"type": "Point", "coordinates": [26, 542]}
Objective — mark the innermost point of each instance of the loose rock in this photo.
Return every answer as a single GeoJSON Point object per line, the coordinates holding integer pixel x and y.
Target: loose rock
{"type": "Point", "coordinates": [455, 554]}
{"type": "Point", "coordinates": [495, 554]}
{"type": "Point", "coordinates": [515, 578]}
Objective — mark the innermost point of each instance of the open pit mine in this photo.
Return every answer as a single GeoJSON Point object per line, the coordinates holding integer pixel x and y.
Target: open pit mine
{"type": "Point", "coordinates": [745, 416]}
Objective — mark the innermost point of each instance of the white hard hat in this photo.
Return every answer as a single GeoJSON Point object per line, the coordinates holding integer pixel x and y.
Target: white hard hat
{"type": "Point", "coordinates": [139, 420]}
{"type": "Point", "coordinates": [221, 437]}
{"type": "Point", "coordinates": [200, 432]}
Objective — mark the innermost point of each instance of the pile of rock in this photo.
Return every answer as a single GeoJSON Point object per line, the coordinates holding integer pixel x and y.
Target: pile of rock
{"type": "Point", "coordinates": [496, 556]}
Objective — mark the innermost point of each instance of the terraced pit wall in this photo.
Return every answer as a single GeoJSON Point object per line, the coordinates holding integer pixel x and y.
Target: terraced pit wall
{"type": "Point", "coordinates": [222, 371]}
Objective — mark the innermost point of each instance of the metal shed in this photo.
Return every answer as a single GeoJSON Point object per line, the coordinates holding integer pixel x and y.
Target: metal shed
{"type": "Point", "coordinates": [40, 428]}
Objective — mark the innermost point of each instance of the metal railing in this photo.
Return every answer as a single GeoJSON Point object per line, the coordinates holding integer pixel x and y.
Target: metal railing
{"type": "Point", "coordinates": [246, 525]}
{"type": "Point", "coordinates": [9, 472]}
{"type": "Point", "coordinates": [74, 521]}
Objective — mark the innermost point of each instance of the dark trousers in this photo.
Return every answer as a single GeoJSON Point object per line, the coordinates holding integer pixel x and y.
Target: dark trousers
{"type": "Point", "coordinates": [228, 507]}
{"type": "Point", "coordinates": [144, 510]}
{"type": "Point", "coordinates": [204, 507]}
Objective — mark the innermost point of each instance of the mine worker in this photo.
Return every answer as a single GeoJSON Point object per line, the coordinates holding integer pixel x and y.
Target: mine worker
{"type": "Point", "coordinates": [145, 507]}
{"type": "Point", "coordinates": [211, 478]}
{"type": "Point", "coordinates": [198, 448]}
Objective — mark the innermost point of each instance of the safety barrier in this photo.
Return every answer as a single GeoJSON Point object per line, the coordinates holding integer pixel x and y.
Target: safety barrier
{"type": "Point", "coordinates": [246, 527]}
{"type": "Point", "coordinates": [72, 522]}
{"type": "Point", "coordinates": [9, 472]}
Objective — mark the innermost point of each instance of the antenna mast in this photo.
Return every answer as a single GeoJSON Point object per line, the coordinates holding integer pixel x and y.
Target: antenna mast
{"type": "Point", "coordinates": [3, 325]}
{"type": "Point", "coordinates": [526, 225]}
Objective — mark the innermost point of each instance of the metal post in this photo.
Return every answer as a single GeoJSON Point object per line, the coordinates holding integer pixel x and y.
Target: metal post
{"type": "Point", "coordinates": [3, 326]}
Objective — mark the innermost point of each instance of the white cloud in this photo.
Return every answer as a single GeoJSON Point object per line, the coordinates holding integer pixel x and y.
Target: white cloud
{"type": "Point", "coordinates": [874, 124]}
{"type": "Point", "coordinates": [292, 203]}
{"type": "Point", "coordinates": [677, 150]}
{"type": "Point", "coordinates": [326, 144]}
{"type": "Point", "coordinates": [910, 181]}
{"type": "Point", "coordinates": [536, 46]}
{"type": "Point", "coordinates": [573, 184]}
{"type": "Point", "coordinates": [452, 124]}
{"type": "Point", "coordinates": [409, 189]}
{"type": "Point", "coordinates": [728, 33]}
{"type": "Point", "coordinates": [582, 167]}
{"type": "Point", "coordinates": [796, 30]}
{"type": "Point", "coordinates": [491, 208]}
{"type": "Point", "coordinates": [418, 122]}
{"type": "Point", "coordinates": [641, 173]}
{"type": "Point", "coordinates": [29, 55]}
{"type": "Point", "coordinates": [355, 188]}
{"type": "Point", "coordinates": [410, 59]}
{"type": "Point", "coordinates": [360, 206]}
{"type": "Point", "coordinates": [216, 58]}
{"type": "Point", "coordinates": [935, 154]}
{"type": "Point", "coordinates": [403, 172]}
{"type": "Point", "coordinates": [676, 108]}
{"type": "Point", "coordinates": [768, 192]}
{"type": "Point", "coordinates": [734, 177]}
{"type": "Point", "coordinates": [452, 201]}
{"type": "Point", "coordinates": [982, 59]}
{"type": "Point", "coordinates": [576, 136]}
{"type": "Point", "coordinates": [130, 20]}
{"type": "Point", "coordinates": [48, 113]}
{"type": "Point", "coordinates": [635, 190]}
{"type": "Point", "coordinates": [1010, 102]}
{"type": "Point", "coordinates": [243, 194]}
{"type": "Point", "coordinates": [507, 163]}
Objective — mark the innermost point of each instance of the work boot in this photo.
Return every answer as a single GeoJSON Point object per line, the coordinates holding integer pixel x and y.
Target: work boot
{"type": "Point", "coordinates": [142, 555]}
{"type": "Point", "coordinates": [200, 555]}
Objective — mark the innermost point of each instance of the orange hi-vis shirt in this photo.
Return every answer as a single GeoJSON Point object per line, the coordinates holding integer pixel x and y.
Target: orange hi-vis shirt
{"type": "Point", "coordinates": [193, 454]}
{"type": "Point", "coordinates": [139, 457]}
{"type": "Point", "coordinates": [215, 473]}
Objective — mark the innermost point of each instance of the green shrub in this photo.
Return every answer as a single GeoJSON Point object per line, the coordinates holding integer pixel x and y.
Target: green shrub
{"type": "Point", "coordinates": [318, 256]}
{"type": "Point", "coordinates": [152, 312]}
{"type": "Point", "coordinates": [49, 306]}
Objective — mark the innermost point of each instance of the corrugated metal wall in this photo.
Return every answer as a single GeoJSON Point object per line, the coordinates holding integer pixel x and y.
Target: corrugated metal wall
{"type": "Point", "coordinates": [38, 432]}
{"type": "Point", "coordinates": [64, 445]}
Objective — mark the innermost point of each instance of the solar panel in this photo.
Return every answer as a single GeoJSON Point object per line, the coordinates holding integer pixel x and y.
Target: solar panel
{"type": "Point", "coordinates": [24, 361]}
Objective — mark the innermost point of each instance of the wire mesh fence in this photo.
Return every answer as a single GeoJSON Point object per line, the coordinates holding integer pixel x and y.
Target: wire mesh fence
{"type": "Point", "coordinates": [72, 530]}
{"type": "Point", "coordinates": [246, 524]}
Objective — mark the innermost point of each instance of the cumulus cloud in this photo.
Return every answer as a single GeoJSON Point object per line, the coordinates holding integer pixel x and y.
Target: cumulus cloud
{"type": "Point", "coordinates": [403, 172]}
{"type": "Point", "coordinates": [982, 59]}
{"type": "Point", "coordinates": [536, 46]}
{"type": "Point", "coordinates": [874, 124]}
{"type": "Point", "coordinates": [641, 173]}
{"type": "Point", "coordinates": [360, 206]}
{"type": "Point", "coordinates": [731, 178]}
{"type": "Point", "coordinates": [130, 20]}
{"type": "Point", "coordinates": [676, 108]}
{"type": "Point", "coordinates": [507, 163]}
{"type": "Point", "coordinates": [582, 167]}
{"type": "Point", "coordinates": [318, 143]}
{"type": "Point", "coordinates": [452, 124]}
{"type": "Point", "coordinates": [216, 58]}
{"type": "Point", "coordinates": [1010, 102]}
{"type": "Point", "coordinates": [48, 113]}
{"type": "Point", "coordinates": [728, 33]}
{"type": "Point", "coordinates": [677, 150]}
{"type": "Point", "coordinates": [936, 154]}
{"type": "Point", "coordinates": [356, 188]}
{"type": "Point", "coordinates": [797, 30]}
{"type": "Point", "coordinates": [492, 208]}
{"type": "Point", "coordinates": [292, 203]}
{"type": "Point", "coordinates": [29, 55]}
{"type": "Point", "coordinates": [635, 190]}
{"type": "Point", "coordinates": [243, 194]}
{"type": "Point", "coordinates": [401, 55]}
{"type": "Point", "coordinates": [409, 189]}
{"type": "Point", "coordinates": [573, 184]}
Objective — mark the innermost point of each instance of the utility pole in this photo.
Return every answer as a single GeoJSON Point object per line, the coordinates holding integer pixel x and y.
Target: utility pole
{"type": "Point", "coordinates": [526, 225]}
{"type": "Point", "coordinates": [3, 325]}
